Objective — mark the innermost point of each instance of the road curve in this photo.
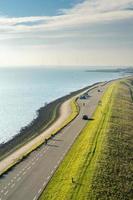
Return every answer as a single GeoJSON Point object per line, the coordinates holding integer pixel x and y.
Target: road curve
{"type": "Point", "coordinates": [27, 180]}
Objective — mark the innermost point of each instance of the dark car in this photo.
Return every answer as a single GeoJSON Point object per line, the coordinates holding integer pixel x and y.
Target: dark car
{"type": "Point", "coordinates": [85, 117]}
{"type": "Point", "coordinates": [83, 97]}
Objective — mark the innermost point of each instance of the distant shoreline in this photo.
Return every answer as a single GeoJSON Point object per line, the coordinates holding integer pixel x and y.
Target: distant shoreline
{"type": "Point", "coordinates": [118, 70]}
{"type": "Point", "coordinates": [46, 116]}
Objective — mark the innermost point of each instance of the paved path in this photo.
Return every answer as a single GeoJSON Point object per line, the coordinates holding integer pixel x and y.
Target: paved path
{"type": "Point", "coordinates": [27, 180]}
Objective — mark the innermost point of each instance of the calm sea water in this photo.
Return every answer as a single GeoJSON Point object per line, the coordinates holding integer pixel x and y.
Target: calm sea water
{"type": "Point", "coordinates": [23, 91]}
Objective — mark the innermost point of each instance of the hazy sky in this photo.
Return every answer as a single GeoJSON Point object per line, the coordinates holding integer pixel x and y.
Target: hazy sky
{"type": "Point", "coordinates": [66, 32]}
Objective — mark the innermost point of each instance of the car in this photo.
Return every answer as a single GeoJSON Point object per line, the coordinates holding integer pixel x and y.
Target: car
{"type": "Point", "coordinates": [83, 97]}
{"type": "Point", "coordinates": [85, 117]}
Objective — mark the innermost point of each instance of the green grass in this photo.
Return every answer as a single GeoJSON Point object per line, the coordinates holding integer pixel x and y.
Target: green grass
{"type": "Point", "coordinates": [113, 177]}
{"type": "Point", "coordinates": [90, 162]}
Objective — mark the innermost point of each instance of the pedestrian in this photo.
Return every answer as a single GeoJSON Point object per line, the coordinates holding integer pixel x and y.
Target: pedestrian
{"type": "Point", "coordinates": [72, 180]}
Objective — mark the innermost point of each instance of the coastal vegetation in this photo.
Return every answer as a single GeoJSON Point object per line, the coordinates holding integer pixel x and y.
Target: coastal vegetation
{"type": "Point", "coordinates": [98, 165]}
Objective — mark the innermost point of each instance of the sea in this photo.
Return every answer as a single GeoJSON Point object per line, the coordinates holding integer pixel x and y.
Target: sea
{"type": "Point", "coordinates": [24, 90]}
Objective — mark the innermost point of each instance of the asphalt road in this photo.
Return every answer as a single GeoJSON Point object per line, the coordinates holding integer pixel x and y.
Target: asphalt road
{"type": "Point", "coordinates": [27, 180]}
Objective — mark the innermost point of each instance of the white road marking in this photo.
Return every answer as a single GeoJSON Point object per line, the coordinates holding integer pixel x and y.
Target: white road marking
{"type": "Point", "coordinates": [52, 172]}
{"type": "Point", "coordinates": [9, 183]}
{"type": "Point", "coordinates": [5, 187]}
{"type": "Point", "coordinates": [12, 185]}
{"type": "Point", "coordinates": [24, 173]}
{"type": "Point", "coordinates": [48, 177]}
{"type": "Point", "coordinates": [44, 183]}
{"type": "Point", "coordinates": [55, 166]}
{"type": "Point", "coordinates": [39, 191]}
{"type": "Point", "coordinates": [6, 192]}
{"type": "Point", "coordinates": [35, 198]}
{"type": "Point", "coordinates": [19, 179]}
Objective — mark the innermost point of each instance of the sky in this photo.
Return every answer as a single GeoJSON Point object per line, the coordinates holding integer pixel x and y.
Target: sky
{"type": "Point", "coordinates": [72, 33]}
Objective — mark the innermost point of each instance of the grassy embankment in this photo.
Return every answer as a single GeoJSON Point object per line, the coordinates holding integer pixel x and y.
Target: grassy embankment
{"type": "Point", "coordinates": [99, 162]}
